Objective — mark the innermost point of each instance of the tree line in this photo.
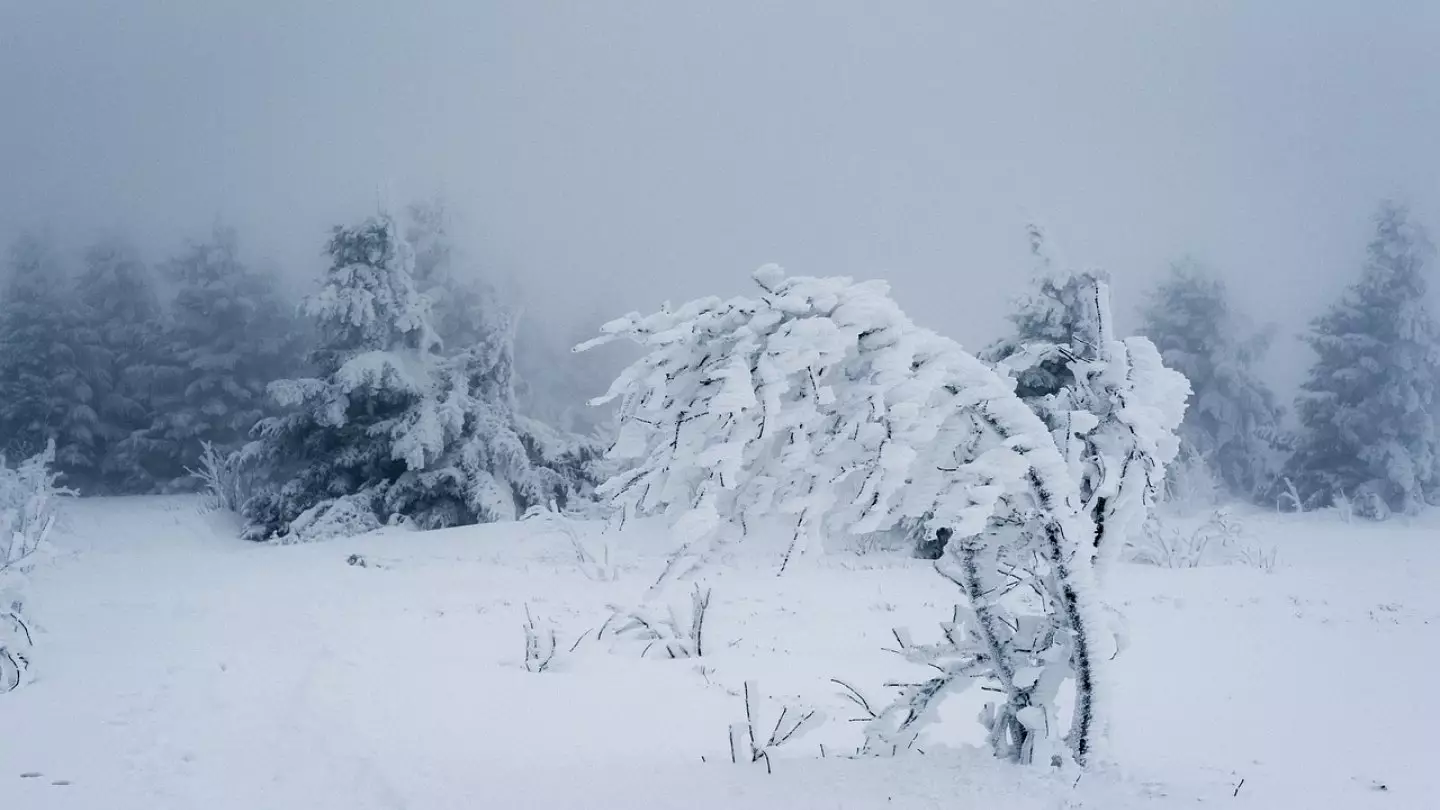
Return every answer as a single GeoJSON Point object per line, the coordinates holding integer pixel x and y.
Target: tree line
{"type": "Point", "coordinates": [392, 392]}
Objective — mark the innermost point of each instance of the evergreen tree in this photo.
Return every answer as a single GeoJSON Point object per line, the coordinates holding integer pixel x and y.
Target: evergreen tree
{"type": "Point", "coordinates": [462, 304]}
{"type": "Point", "coordinates": [375, 356]}
{"type": "Point", "coordinates": [499, 462]}
{"type": "Point", "coordinates": [391, 426]}
{"type": "Point", "coordinates": [1368, 408]}
{"type": "Point", "coordinates": [227, 337]}
{"type": "Point", "coordinates": [1232, 425]}
{"type": "Point", "coordinates": [46, 356]}
{"type": "Point", "coordinates": [119, 296]}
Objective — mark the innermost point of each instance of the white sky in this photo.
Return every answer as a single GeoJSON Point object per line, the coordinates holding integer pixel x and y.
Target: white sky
{"type": "Point", "coordinates": [611, 154]}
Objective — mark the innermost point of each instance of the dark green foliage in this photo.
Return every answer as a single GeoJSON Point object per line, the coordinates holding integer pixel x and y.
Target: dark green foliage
{"type": "Point", "coordinates": [228, 336]}
{"type": "Point", "coordinates": [47, 356]}
{"type": "Point", "coordinates": [118, 296]}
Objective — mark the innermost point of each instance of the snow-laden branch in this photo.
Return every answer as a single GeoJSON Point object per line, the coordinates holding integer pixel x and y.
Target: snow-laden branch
{"type": "Point", "coordinates": [821, 401]}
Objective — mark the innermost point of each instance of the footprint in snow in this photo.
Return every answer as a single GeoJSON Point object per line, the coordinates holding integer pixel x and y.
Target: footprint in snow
{"type": "Point", "coordinates": [37, 775]}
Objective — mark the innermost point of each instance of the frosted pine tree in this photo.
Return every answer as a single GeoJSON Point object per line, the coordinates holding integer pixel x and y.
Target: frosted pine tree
{"type": "Point", "coordinates": [1368, 410]}
{"type": "Point", "coordinates": [46, 357]}
{"type": "Point", "coordinates": [463, 304]}
{"type": "Point", "coordinates": [818, 403]}
{"type": "Point", "coordinates": [1112, 405]}
{"type": "Point", "coordinates": [120, 298]}
{"type": "Point", "coordinates": [1233, 424]}
{"type": "Point", "coordinates": [227, 337]}
{"type": "Point", "coordinates": [375, 358]}
{"type": "Point", "coordinates": [395, 427]}
{"type": "Point", "coordinates": [500, 462]}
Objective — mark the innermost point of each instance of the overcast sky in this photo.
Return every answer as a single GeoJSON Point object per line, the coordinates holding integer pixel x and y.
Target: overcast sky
{"type": "Point", "coordinates": [614, 154]}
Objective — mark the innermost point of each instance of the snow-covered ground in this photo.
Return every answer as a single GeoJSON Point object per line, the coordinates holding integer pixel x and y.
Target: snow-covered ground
{"type": "Point", "coordinates": [181, 668]}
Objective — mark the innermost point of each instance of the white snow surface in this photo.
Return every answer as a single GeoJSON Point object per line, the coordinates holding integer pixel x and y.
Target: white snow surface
{"type": "Point", "coordinates": [177, 667]}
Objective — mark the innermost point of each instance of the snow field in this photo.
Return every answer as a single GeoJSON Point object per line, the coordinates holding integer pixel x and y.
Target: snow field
{"type": "Point", "coordinates": [181, 668]}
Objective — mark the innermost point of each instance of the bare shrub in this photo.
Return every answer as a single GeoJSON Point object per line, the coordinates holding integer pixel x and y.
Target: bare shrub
{"type": "Point", "coordinates": [677, 634]}
{"type": "Point", "coordinates": [1220, 540]}
{"type": "Point", "coordinates": [595, 564]}
{"type": "Point", "coordinates": [746, 742]}
{"type": "Point", "coordinates": [540, 644]}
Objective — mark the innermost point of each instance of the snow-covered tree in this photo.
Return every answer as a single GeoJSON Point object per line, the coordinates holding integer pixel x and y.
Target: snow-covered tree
{"type": "Point", "coordinates": [820, 402]}
{"type": "Point", "coordinates": [1368, 409]}
{"type": "Point", "coordinates": [46, 359]}
{"type": "Point", "coordinates": [1111, 404]}
{"type": "Point", "coordinates": [28, 503]}
{"type": "Point", "coordinates": [463, 305]}
{"type": "Point", "coordinates": [228, 336]}
{"type": "Point", "coordinates": [499, 463]}
{"type": "Point", "coordinates": [556, 383]}
{"type": "Point", "coordinates": [119, 295]}
{"type": "Point", "coordinates": [393, 427]}
{"type": "Point", "coordinates": [375, 358]}
{"type": "Point", "coordinates": [1233, 425]}
{"type": "Point", "coordinates": [471, 307]}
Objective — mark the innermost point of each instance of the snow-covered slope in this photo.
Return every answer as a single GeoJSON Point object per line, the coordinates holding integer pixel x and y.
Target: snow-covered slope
{"type": "Point", "coordinates": [180, 668]}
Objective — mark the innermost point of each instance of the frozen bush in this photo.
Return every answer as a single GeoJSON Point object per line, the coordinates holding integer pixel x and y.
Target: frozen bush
{"type": "Point", "coordinates": [820, 402]}
{"type": "Point", "coordinates": [29, 499]}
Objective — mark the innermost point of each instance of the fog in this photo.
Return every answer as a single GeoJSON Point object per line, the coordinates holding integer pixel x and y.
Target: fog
{"type": "Point", "coordinates": [612, 155]}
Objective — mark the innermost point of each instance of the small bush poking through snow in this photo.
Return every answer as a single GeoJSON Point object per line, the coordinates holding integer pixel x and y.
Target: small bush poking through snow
{"type": "Point", "coordinates": [28, 503]}
{"type": "Point", "coordinates": [226, 481]}
{"type": "Point", "coordinates": [1220, 540]}
{"type": "Point", "coordinates": [540, 644]}
{"type": "Point", "coordinates": [746, 742]}
{"type": "Point", "coordinates": [596, 565]}
{"type": "Point", "coordinates": [676, 634]}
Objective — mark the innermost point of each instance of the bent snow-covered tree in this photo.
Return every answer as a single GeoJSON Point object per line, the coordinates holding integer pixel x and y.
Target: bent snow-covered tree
{"type": "Point", "coordinates": [1111, 404]}
{"type": "Point", "coordinates": [821, 401]}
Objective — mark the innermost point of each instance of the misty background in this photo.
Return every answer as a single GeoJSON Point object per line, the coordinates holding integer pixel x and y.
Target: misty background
{"type": "Point", "coordinates": [608, 156]}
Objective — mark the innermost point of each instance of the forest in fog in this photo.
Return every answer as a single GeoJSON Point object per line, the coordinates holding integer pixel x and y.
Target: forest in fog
{"type": "Point", "coordinates": [405, 386]}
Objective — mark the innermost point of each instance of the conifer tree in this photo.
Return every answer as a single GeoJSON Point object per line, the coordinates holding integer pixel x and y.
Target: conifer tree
{"type": "Point", "coordinates": [119, 296]}
{"type": "Point", "coordinates": [46, 356]}
{"type": "Point", "coordinates": [462, 303]}
{"type": "Point", "coordinates": [374, 357]}
{"type": "Point", "coordinates": [394, 427]}
{"type": "Point", "coordinates": [1368, 409]}
{"type": "Point", "coordinates": [228, 336]}
{"type": "Point", "coordinates": [1233, 424]}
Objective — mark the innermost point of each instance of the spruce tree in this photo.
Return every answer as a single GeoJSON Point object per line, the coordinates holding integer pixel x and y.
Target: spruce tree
{"type": "Point", "coordinates": [119, 296]}
{"type": "Point", "coordinates": [1368, 408]}
{"type": "Point", "coordinates": [46, 359]}
{"type": "Point", "coordinates": [462, 303]}
{"type": "Point", "coordinates": [393, 427]}
{"type": "Point", "coordinates": [1233, 424]}
{"type": "Point", "coordinates": [375, 358]}
{"type": "Point", "coordinates": [227, 337]}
